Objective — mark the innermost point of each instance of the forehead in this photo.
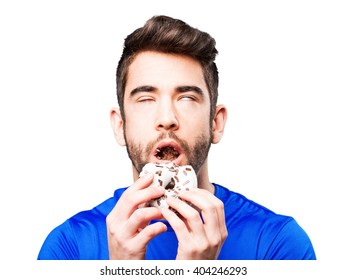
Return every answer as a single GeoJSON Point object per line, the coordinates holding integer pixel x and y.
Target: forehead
{"type": "Point", "coordinates": [164, 70]}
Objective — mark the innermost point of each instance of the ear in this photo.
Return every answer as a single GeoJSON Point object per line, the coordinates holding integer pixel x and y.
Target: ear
{"type": "Point", "coordinates": [219, 123]}
{"type": "Point", "coordinates": [117, 124]}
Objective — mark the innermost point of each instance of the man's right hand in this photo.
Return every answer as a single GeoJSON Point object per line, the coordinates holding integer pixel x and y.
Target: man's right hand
{"type": "Point", "coordinates": [128, 227]}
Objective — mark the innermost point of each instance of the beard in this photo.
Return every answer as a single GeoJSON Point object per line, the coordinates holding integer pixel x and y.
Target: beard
{"type": "Point", "coordinates": [196, 154]}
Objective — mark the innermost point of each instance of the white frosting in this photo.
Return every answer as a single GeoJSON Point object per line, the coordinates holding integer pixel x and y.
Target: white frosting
{"type": "Point", "coordinates": [172, 177]}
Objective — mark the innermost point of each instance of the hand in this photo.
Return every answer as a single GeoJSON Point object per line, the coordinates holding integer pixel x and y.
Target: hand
{"type": "Point", "coordinates": [200, 235]}
{"type": "Point", "coordinates": [128, 226]}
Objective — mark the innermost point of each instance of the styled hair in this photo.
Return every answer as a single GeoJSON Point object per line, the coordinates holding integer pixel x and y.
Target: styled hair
{"type": "Point", "coordinates": [168, 35]}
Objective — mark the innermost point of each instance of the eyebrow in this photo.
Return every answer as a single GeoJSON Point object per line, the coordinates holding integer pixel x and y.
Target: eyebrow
{"type": "Point", "coordinates": [195, 89]}
{"type": "Point", "coordinates": [180, 89]}
{"type": "Point", "coordinates": [143, 89]}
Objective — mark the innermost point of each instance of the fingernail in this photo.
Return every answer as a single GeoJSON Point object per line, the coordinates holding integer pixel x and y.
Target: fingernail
{"type": "Point", "coordinates": [148, 176]}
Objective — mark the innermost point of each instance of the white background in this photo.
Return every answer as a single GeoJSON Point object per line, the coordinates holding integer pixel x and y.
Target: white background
{"type": "Point", "coordinates": [282, 67]}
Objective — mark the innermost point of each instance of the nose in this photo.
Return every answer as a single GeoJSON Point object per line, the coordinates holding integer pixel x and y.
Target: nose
{"type": "Point", "coordinates": [167, 117]}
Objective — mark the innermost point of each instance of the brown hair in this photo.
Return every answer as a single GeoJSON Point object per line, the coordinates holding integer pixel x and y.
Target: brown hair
{"type": "Point", "coordinates": [169, 35]}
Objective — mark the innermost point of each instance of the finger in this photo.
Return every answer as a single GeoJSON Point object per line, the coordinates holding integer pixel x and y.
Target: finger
{"type": "Point", "coordinates": [190, 216]}
{"type": "Point", "coordinates": [141, 183]}
{"type": "Point", "coordinates": [142, 239]}
{"type": "Point", "coordinates": [192, 244]}
{"type": "Point", "coordinates": [141, 218]}
{"type": "Point", "coordinates": [137, 222]}
{"type": "Point", "coordinates": [135, 195]}
{"type": "Point", "coordinates": [212, 210]}
{"type": "Point", "coordinates": [177, 224]}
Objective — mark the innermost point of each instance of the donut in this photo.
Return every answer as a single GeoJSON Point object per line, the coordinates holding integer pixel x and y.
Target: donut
{"type": "Point", "coordinates": [172, 177]}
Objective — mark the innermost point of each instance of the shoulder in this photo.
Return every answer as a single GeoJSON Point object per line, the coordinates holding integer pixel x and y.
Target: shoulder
{"type": "Point", "coordinates": [99, 212]}
{"type": "Point", "coordinates": [68, 240]}
{"type": "Point", "coordinates": [239, 210]}
{"type": "Point", "coordinates": [239, 205]}
{"type": "Point", "coordinates": [274, 236]}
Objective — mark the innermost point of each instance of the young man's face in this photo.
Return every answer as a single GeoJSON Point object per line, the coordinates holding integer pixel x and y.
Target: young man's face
{"type": "Point", "coordinates": [167, 111]}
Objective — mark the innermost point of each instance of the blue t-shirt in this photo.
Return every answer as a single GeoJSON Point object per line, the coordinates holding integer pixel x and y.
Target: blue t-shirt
{"type": "Point", "coordinates": [254, 233]}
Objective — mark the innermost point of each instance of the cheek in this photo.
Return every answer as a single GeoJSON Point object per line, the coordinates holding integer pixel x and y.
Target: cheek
{"type": "Point", "coordinates": [198, 120]}
{"type": "Point", "coordinates": [140, 114]}
{"type": "Point", "coordinates": [137, 128]}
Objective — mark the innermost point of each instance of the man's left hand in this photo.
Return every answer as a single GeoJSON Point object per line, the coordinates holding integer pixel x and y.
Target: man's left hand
{"type": "Point", "coordinates": [200, 234]}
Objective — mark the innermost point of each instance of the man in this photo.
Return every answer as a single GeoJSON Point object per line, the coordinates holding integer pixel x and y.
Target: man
{"type": "Point", "coordinates": [167, 88]}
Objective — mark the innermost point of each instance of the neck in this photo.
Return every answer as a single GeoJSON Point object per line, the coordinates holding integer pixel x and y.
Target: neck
{"type": "Point", "coordinates": [203, 178]}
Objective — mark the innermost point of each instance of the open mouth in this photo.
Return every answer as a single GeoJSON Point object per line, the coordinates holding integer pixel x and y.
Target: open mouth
{"type": "Point", "coordinates": [167, 153]}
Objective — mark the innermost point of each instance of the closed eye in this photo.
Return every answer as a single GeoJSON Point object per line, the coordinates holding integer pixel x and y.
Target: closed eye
{"type": "Point", "coordinates": [143, 94]}
{"type": "Point", "coordinates": [190, 93]}
{"type": "Point", "coordinates": [145, 98]}
{"type": "Point", "coordinates": [187, 98]}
